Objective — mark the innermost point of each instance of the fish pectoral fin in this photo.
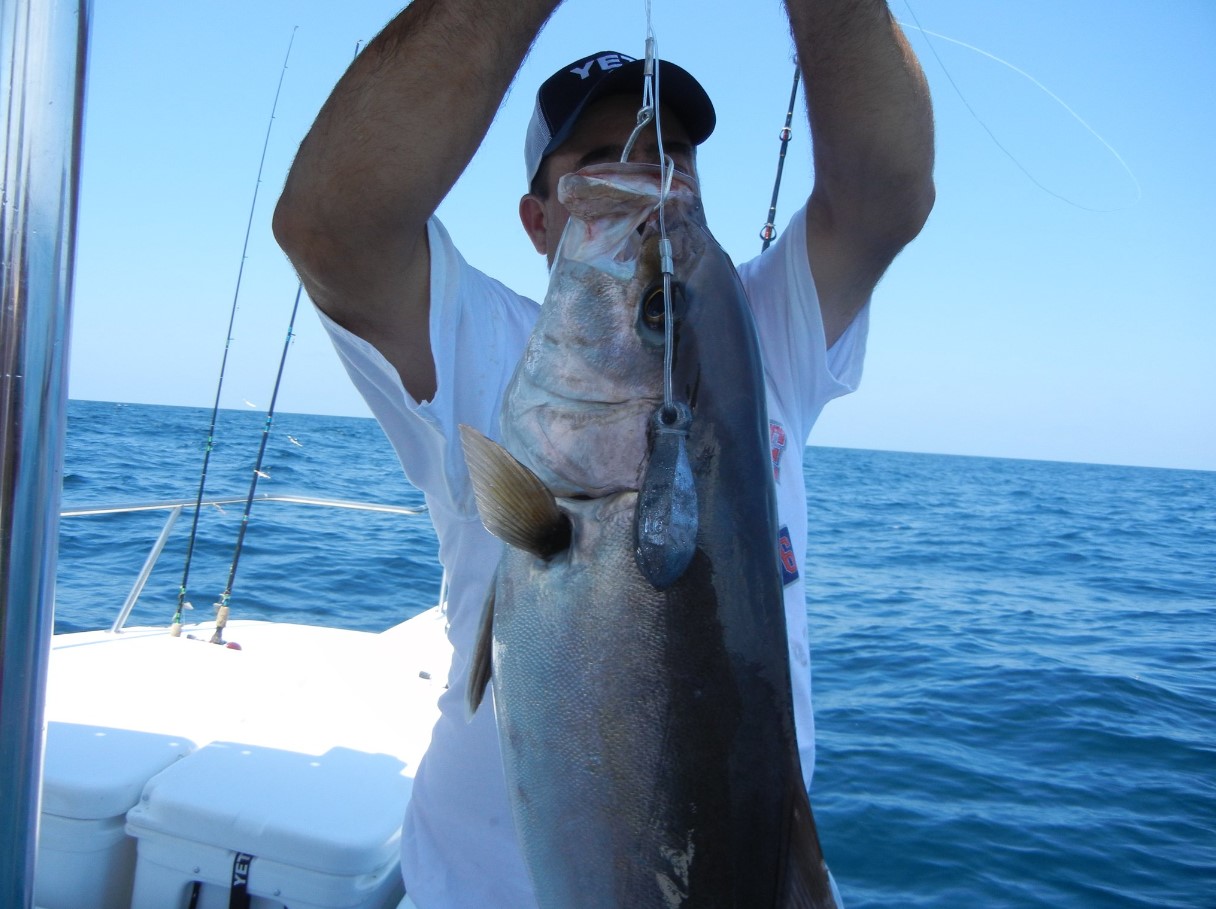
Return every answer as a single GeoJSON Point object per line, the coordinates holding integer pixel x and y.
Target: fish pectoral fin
{"type": "Point", "coordinates": [514, 504]}
{"type": "Point", "coordinates": [807, 884]}
{"type": "Point", "coordinates": [482, 665]}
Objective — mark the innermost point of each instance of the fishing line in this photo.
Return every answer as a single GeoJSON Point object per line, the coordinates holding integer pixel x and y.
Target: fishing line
{"type": "Point", "coordinates": [175, 628]}
{"type": "Point", "coordinates": [648, 113]}
{"type": "Point", "coordinates": [221, 615]}
{"type": "Point", "coordinates": [667, 514]}
{"type": "Point", "coordinates": [666, 265]}
{"type": "Point", "coordinates": [1043, 88]}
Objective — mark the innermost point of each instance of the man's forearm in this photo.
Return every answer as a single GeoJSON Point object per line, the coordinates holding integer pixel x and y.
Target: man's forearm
{"type": "Point", "coordinates": [871, 119]}
{"type": "Point", "coordinates": [406, 118]}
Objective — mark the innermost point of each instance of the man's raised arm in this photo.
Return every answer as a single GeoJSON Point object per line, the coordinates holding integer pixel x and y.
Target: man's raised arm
{"type": "Point", "coordinates": [396, 132]}
{"type": "Point", "coordinates": [872, 128]}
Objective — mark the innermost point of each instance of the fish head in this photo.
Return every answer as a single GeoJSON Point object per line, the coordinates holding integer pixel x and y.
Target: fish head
{"type": "Point", "coordinates": [577, 410]}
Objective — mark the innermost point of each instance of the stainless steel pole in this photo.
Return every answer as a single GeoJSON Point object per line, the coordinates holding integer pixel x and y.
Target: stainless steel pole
{"type": "Point", "coordinates": [42, 65]}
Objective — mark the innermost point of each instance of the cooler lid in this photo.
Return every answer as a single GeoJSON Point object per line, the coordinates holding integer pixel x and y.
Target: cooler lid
{"type": "Point", "coordinates": [94, 772]}
{"type": "Point", "coordinates": [337, 813]}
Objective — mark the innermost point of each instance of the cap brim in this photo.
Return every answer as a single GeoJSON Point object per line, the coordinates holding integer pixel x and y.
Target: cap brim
{"type": "Point", "coordinates": [678, 91]}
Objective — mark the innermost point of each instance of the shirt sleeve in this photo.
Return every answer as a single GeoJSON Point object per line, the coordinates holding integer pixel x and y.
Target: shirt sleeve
{"type": "Point", "coordinates": [478, 329]}
{"type": "Point", "coordinates": [803, 373]}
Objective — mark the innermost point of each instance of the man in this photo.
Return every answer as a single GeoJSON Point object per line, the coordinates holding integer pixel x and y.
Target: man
{"type": "Point", "coordinates": [432, 343]}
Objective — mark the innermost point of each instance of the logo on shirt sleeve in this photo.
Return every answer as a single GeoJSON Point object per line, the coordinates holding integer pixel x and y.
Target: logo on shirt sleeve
{"type": "Point", "coordinates": [776, 440]}
{"type": "Point", "coordinates": [789, 562]}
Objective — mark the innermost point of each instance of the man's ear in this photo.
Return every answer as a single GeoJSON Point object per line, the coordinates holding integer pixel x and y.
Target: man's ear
{"type": "Point", "coordinates": [532, 216]}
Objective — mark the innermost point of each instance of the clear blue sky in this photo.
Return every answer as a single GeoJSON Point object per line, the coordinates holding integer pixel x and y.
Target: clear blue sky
{"type": "Point", "coordinates": [1017, 325]}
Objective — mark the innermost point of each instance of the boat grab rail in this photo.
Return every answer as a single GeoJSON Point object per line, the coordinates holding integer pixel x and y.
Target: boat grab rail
{"type": "Point", "coordinates": [175, 506]}
{"type": "Point", "coordinates": [71, 512]}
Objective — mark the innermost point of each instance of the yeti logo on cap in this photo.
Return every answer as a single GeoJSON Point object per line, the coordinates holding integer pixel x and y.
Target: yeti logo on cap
{"type": "Point", "coordinates": [606, 62]}
{"type": "Point", "coordinates": [561, 100]}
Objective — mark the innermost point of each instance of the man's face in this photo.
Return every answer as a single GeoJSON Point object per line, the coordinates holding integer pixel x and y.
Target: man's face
{"type": "Point", "coordinates": [599, 137]}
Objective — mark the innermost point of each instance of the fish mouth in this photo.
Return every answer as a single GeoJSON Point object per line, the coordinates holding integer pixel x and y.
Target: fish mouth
{"type": "Point", "coordinates": [638, 175]}
{"type": "Point", "coordinates": [614, 211]}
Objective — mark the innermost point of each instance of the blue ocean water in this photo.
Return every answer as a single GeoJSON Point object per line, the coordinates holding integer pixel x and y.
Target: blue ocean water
{"type": "Point", "coordinates": [344, 568]}
{"type": "Point", "coordinates": [1015, 661]}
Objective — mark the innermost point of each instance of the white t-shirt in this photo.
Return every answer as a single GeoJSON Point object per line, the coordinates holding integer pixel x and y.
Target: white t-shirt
{"type": "Point", "coordinates": [458, 846]}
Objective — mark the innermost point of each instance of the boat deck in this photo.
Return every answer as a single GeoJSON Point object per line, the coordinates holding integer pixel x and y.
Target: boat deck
{"type": "Point", "coordinates": [344, 703]}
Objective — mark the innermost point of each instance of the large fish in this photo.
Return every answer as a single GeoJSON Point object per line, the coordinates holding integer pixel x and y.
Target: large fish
{"type": "Point", "coordinates": [636, 630]}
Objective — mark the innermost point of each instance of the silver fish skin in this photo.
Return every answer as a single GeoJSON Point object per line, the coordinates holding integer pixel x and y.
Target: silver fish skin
{"type": "Point", "coordinates": [647, 735]}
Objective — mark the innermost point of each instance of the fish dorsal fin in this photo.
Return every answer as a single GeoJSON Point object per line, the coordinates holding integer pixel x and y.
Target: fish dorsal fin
{"type": "Point", "coordinates": [481, 666]}
{"type": "Point", "coordinates": [514, 504]}
{"type": "Point", "coordinates": [807, 884]}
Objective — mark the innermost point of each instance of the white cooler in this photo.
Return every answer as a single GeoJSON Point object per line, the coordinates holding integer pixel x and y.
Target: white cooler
{"type": "Point", "coordinates": [298, 831]}
{"type": "Point", "coordinates": [91, 777]}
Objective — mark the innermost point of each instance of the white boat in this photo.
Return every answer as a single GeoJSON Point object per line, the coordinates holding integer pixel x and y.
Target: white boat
{"type": "Point", "coordinates": [177, 773]}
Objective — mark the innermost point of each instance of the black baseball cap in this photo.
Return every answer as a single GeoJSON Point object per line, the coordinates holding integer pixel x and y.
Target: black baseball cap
{"type": "Point", "coordinates": [564, 96]}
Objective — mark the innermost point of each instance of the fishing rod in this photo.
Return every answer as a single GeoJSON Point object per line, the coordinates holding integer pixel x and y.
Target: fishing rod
{"type": "Point", "coordinates": [768, 233]}
{"type": "Point", "coordinates": [175, 629]}
{"type": "Point", "coordinates": [221, 616]}
{"type": "Point", "coordinates": [221, 613]}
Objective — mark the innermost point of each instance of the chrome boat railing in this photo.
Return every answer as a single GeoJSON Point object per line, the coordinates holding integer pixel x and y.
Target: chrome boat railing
{"type": "Point", "coordinates": [175, 506]}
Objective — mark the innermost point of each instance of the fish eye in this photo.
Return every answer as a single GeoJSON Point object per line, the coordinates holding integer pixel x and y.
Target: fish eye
{"type": "Point", "coordinates": [651, 316]}
{"type": "Point", "coordinates": [653, 308]}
